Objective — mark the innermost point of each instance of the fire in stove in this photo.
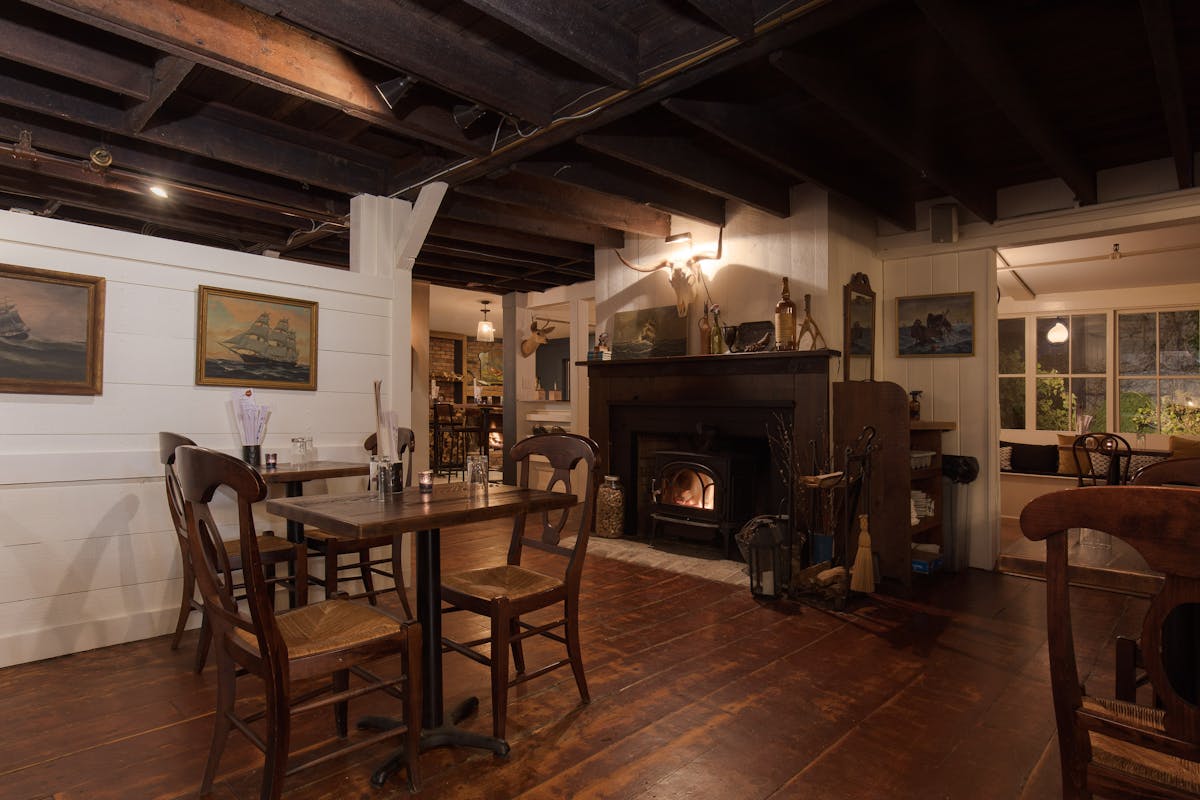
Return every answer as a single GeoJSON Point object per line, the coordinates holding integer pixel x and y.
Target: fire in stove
{"type": "Point", "coordinates": [686, 485]}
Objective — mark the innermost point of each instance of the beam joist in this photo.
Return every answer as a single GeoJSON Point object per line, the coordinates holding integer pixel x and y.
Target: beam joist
{"type": "Point", "coordinates": [1160, 30]}
{"type": "Point", "coordinates": [735, 17]}
{"type": "Point", "coordinates": [460, 231]}
{"type": "Point", "coordinates": [538, 223]}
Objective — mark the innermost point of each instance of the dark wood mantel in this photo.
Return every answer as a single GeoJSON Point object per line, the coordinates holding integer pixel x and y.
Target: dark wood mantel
{"type": "Point", "coordinates": [740, 394]}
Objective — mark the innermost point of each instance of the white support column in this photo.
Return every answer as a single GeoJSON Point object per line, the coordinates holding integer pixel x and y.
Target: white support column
{"type": "Point", "coordinates": [580, 316]}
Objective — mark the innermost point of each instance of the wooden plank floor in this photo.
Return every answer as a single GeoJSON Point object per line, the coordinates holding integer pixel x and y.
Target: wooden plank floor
{"type": "Point", "coordinates": [697, 691]}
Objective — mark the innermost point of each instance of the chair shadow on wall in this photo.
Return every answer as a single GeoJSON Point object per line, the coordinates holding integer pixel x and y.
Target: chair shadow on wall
{"type": "Point", "coordinates": [72, 593]}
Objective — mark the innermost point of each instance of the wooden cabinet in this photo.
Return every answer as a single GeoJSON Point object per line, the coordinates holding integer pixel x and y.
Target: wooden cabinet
{"type": "Point", "coordinates": [884, 406]}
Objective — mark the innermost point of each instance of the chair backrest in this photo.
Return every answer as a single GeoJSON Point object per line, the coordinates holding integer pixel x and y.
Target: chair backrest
{"type": "Point", "coordinates": [201, 472]}
{"type": "Point", "coordinates": [406, 443]}
{"type": "Point", "coordinates": [443, 413]}
{"type": "Point", "coordinates": [564, 451]}
{"type": "Point", "coordinates": [1102, 458]}
{"type": "Point", "coordinates": [167, 443]}
{"type": "Point", "coordinates": [1171, 471]}
{"type": "Point", "coordinates": [1160, 524]}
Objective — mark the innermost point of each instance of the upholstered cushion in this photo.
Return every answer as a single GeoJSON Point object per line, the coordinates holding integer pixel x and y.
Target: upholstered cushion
{"type": "Point", "coordinates": [328, 626]}
{"type": "Point", "coordinates": [503, 581]}
{"type": "Point", "coordinates": [1100, 462]}
{"type": "Point", "coordinates": [1184, 447]}
{"type": "Point", "coordinates": [1006, 456]}
{"type": "Point", "coordinates": [1140, 462]}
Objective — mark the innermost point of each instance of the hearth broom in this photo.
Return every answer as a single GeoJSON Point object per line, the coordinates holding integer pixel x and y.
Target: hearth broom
{"type": "Point", "coordinates": [862, 577]}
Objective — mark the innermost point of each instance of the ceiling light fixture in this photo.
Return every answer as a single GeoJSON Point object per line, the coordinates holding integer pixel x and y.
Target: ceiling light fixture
{"type": "Point", "coordinates": [159, 191]}
{"type": "Point", "coordinates": [466, 116]}
{"type": "Point", "coordinates": [1058, 333]}
{"type": "Point", "coordinates": [485, 331]}
{"type": "Point", "coordinates": [396, 89]}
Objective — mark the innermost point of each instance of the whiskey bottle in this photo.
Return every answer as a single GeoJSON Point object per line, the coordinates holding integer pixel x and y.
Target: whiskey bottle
{"type": "Point", "coordinates": [785, 321]}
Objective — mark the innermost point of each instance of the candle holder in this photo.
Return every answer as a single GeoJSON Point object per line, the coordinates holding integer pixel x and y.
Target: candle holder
{"type": "Point", "coordinates": [426, 481]}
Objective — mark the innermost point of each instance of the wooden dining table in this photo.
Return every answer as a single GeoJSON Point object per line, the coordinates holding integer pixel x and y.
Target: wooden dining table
{"type": "Point", "coordinates": [294, 476]}
{"type": "Point", "coordinates": [448, 505]}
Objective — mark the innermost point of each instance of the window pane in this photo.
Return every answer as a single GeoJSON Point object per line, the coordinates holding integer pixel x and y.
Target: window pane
{"type": "Point", "coordinates": [1088, 343]}
{"type": "Point", "coordinates": [1179, 342]}
{"type": "Point", "coordinates": [1051, 358]}
{"type": "Point", "coordinates": [1135, 344]}
{"type": "Point", "coordinates": [1010, 334]}
{"type": "Point", "coordinates": [1012, 403]}
{"type": "Point", "coordinates": [1180, 402]}
{"type": "Point", "coordinates": [1139, 407]}
{"type": "Point", "coordinates": [1052, 405]}
{"type": "Point", "coordinates": [1090, 399]}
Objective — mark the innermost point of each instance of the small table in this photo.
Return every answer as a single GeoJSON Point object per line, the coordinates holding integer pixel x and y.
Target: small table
{"type": "Point", "coordinates": [294, 476]}
{"type": "Point", "coordinates": [449, 504]}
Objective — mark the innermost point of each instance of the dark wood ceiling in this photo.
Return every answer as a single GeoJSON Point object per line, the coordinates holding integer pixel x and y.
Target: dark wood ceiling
{"type": "Point", "coordinates": [601, 117]}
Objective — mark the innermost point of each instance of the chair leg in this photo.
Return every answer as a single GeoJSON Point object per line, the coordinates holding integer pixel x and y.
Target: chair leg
{"type": "Point", "coordinates": [398, 574]}
{"type": "Point", "coordinates": [574, 652]}
{"type": "Point", "coordinates": [185, 605]}
{"type": "Point", "coordinates": [517, 645]}
{"type": "Point", "coordinates": [299, 589]}
{"type": "Point", "coordinates": [341, 682]}
{"type": "Point", "coordinates": [331, 568]}
{"type": "Point", "coordinates": [499, 659]}
{"type": "Point", "coordinates": [270, 570]}
{"type": "Point", "coordinates": [202, 645]}
{"type": "Point", "coordinates": [364, 570]}
{"type": "Point", "coordinates": [411, 655]}
{"type": "Point", "coordinates": [226, 694]}
{"type": "Point", "coordinates": [277, 740]}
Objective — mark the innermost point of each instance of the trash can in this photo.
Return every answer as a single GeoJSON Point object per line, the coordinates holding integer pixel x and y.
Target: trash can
{"type": "Point", "coordinates": [957, 471]}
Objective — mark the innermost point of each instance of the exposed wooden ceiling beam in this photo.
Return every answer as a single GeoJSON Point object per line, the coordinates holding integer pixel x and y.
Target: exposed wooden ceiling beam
{"type": "Point", "coordinates": [758, 134]}
{"type": "Point", "coordinates": [460, 231]}
{"type": "Point", "coordinates": [169, 72]}
{"type": "Point", "coordinates": [444, 247]}
{"type": "Point", "coordinates": [226, 36]}
{"type": "Point", "coordinates": [616, 178]}
{"type": "Point", "coordinates": [414, 42]}
{"type": "Point", "coordinates": [836, 86]}
{"type": "Point", "coordinates": [564, 199]}
{"type": "Point", "coordinates": [439, 274]}
{"type": "Point", "coordinates": [538, 223]}
{"type": "Point", "coordinates": [968, 34]}
{"type": "Point", "coordinates": [681, 160]}
{"type": "Point", "coordinates": [153, 161]}
{"type": "Point", "coordinates": [439, 261]}
{"type": "Point", "coordinates": [735, 17]}
{"type": "Point", "coordinates": [202, 136]}
{"type": "Point", "coordinates": [576, 30]}
{"type": "Point", "coordinates": [1160, 30]}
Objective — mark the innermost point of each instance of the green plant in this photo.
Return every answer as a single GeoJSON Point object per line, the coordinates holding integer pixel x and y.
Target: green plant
{"type": "Point", "coordinates": [1055, 404]}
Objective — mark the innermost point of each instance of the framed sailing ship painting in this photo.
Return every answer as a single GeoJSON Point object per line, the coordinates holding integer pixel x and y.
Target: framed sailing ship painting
{"type": "Point", "coordinates": [51, 332]}
{"type": "Point", "coordinates": [247, 339]}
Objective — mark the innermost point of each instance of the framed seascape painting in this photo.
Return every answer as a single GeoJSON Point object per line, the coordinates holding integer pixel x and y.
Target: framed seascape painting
{"type": "Point", "coordinates": [649, 333]}
{"type": "Point", "coordinates": [246, 339]}
{"type": "Point", "coordinates": [51, 332]}
{"type": "Point", "coordinates": [936, 324]}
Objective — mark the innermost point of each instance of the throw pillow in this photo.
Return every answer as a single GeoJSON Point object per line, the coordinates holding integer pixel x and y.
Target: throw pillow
{"type": "Point", "coordinates": [1100, 464]}
{"type": "Point", "coordinates": [1066, 455]}
{"type": "Point", "coordinates": [1006, 459]}
{"type": "Point", "coordinates": [1183, 447]}
{"type": "Point", "coordinates": [1036, 459]}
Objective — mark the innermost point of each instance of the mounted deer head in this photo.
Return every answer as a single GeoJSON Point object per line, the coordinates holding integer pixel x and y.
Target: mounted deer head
{"type": "Point", "coordinates": [537, 337]}
{"type": "Point", "coordinates": [682, 279]}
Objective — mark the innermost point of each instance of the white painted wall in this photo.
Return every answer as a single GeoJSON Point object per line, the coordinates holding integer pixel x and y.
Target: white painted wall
{"type": "Point", "coordinates": [88, 555]}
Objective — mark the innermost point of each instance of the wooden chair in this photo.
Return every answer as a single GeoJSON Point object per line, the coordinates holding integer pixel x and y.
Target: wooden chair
{"type": "Point", "coordinates": [274, 550]}
{"type": "Point", "coordinates": [331, 546]}
{"type": "Point", "coordinates": [1130, 666]}
{"type": "Point", "coordinates": [1106, 745]}
{"type": "Point", "coordinates": [505, 593]}
{"type": "Point", "coordinates": [332, 638]}
{"type": "Point", "coordinates": [1102, 459]}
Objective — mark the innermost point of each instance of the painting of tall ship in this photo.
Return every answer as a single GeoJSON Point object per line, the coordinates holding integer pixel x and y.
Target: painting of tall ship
{"type": "Point", "coordinates": [246, 339]}
{"type": "Point", "coordinates": [12, 327]}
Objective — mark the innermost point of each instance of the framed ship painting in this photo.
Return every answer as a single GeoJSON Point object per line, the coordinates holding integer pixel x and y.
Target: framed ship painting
{"type": "Point", "coordinates": [51, 332]}
{"type": "Point", "coordinates": [246, 339]}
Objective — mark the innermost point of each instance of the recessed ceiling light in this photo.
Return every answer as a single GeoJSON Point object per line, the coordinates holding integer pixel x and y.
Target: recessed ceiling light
{"type": "Point", "coordinates": [158, 191]}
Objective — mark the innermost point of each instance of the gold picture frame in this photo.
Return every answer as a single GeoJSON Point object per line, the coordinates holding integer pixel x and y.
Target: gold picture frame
{"type": "Point", "coordinates": [51, 332]}
{"type": "Point", "coordinates": [255, 340]}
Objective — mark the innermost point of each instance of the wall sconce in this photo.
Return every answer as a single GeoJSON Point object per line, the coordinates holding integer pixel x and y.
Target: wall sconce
{"type": "Point", "coordinates": [1058, 333]}
{"type": "Point", "coordinates": [396, 89]}
{"type": "Point", "coordinates": [485, 331]}
{"type": "Point", "coordinates": [466, 116]}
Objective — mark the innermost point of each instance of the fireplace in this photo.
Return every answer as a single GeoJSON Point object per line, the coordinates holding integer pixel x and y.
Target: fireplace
{"type": "Point", "coordinates": [700, 496]}
{"type": "Point", "coordinates": [720, 407]}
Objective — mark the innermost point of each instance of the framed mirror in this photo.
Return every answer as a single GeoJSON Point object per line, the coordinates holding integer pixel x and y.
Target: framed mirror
{"type": "Point", "coordinates": [858, 341]}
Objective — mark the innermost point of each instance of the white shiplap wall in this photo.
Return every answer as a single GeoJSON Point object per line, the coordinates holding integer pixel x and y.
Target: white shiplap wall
{"type": "Point", "coordinates": [87, 554]}
{"type": "Point", "coordinates": [956, 388]}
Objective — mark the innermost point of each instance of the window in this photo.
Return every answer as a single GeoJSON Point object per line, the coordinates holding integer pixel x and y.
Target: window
{"type": "Point", "coordinates": [1054, 369]}
{"type": "Point", "coordinates": [1158, 354]}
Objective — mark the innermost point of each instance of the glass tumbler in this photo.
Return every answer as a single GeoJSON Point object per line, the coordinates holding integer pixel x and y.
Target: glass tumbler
{"type": "Point", "coordinates": [477, 475]}
{"type": "Point", "coordinates": [299, 450]}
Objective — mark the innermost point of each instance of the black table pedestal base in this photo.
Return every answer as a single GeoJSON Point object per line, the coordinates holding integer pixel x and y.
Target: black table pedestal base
{"type": "Point", "coordinates": [431, 738]}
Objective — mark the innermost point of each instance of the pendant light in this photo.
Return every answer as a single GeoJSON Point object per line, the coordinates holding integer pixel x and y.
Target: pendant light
{"type": "Point", "coordinates": [485, 331]}
{"type": "Point", "coordinates": [1058, 333]}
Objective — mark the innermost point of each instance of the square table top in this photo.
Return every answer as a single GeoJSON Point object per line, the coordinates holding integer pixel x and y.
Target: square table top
{"type": "Point", "coordinates": [312, 470]}
{"type": "Point", "coordinates": [449, 504]}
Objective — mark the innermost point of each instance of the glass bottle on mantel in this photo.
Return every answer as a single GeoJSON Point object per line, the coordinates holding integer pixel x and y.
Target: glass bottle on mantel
{"type": "Point", "coordinates": [717, 345]}
{"type": "Point", "coordinates": [705, 333]}
{"type": "Point", "coordinates": [785, 321]}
